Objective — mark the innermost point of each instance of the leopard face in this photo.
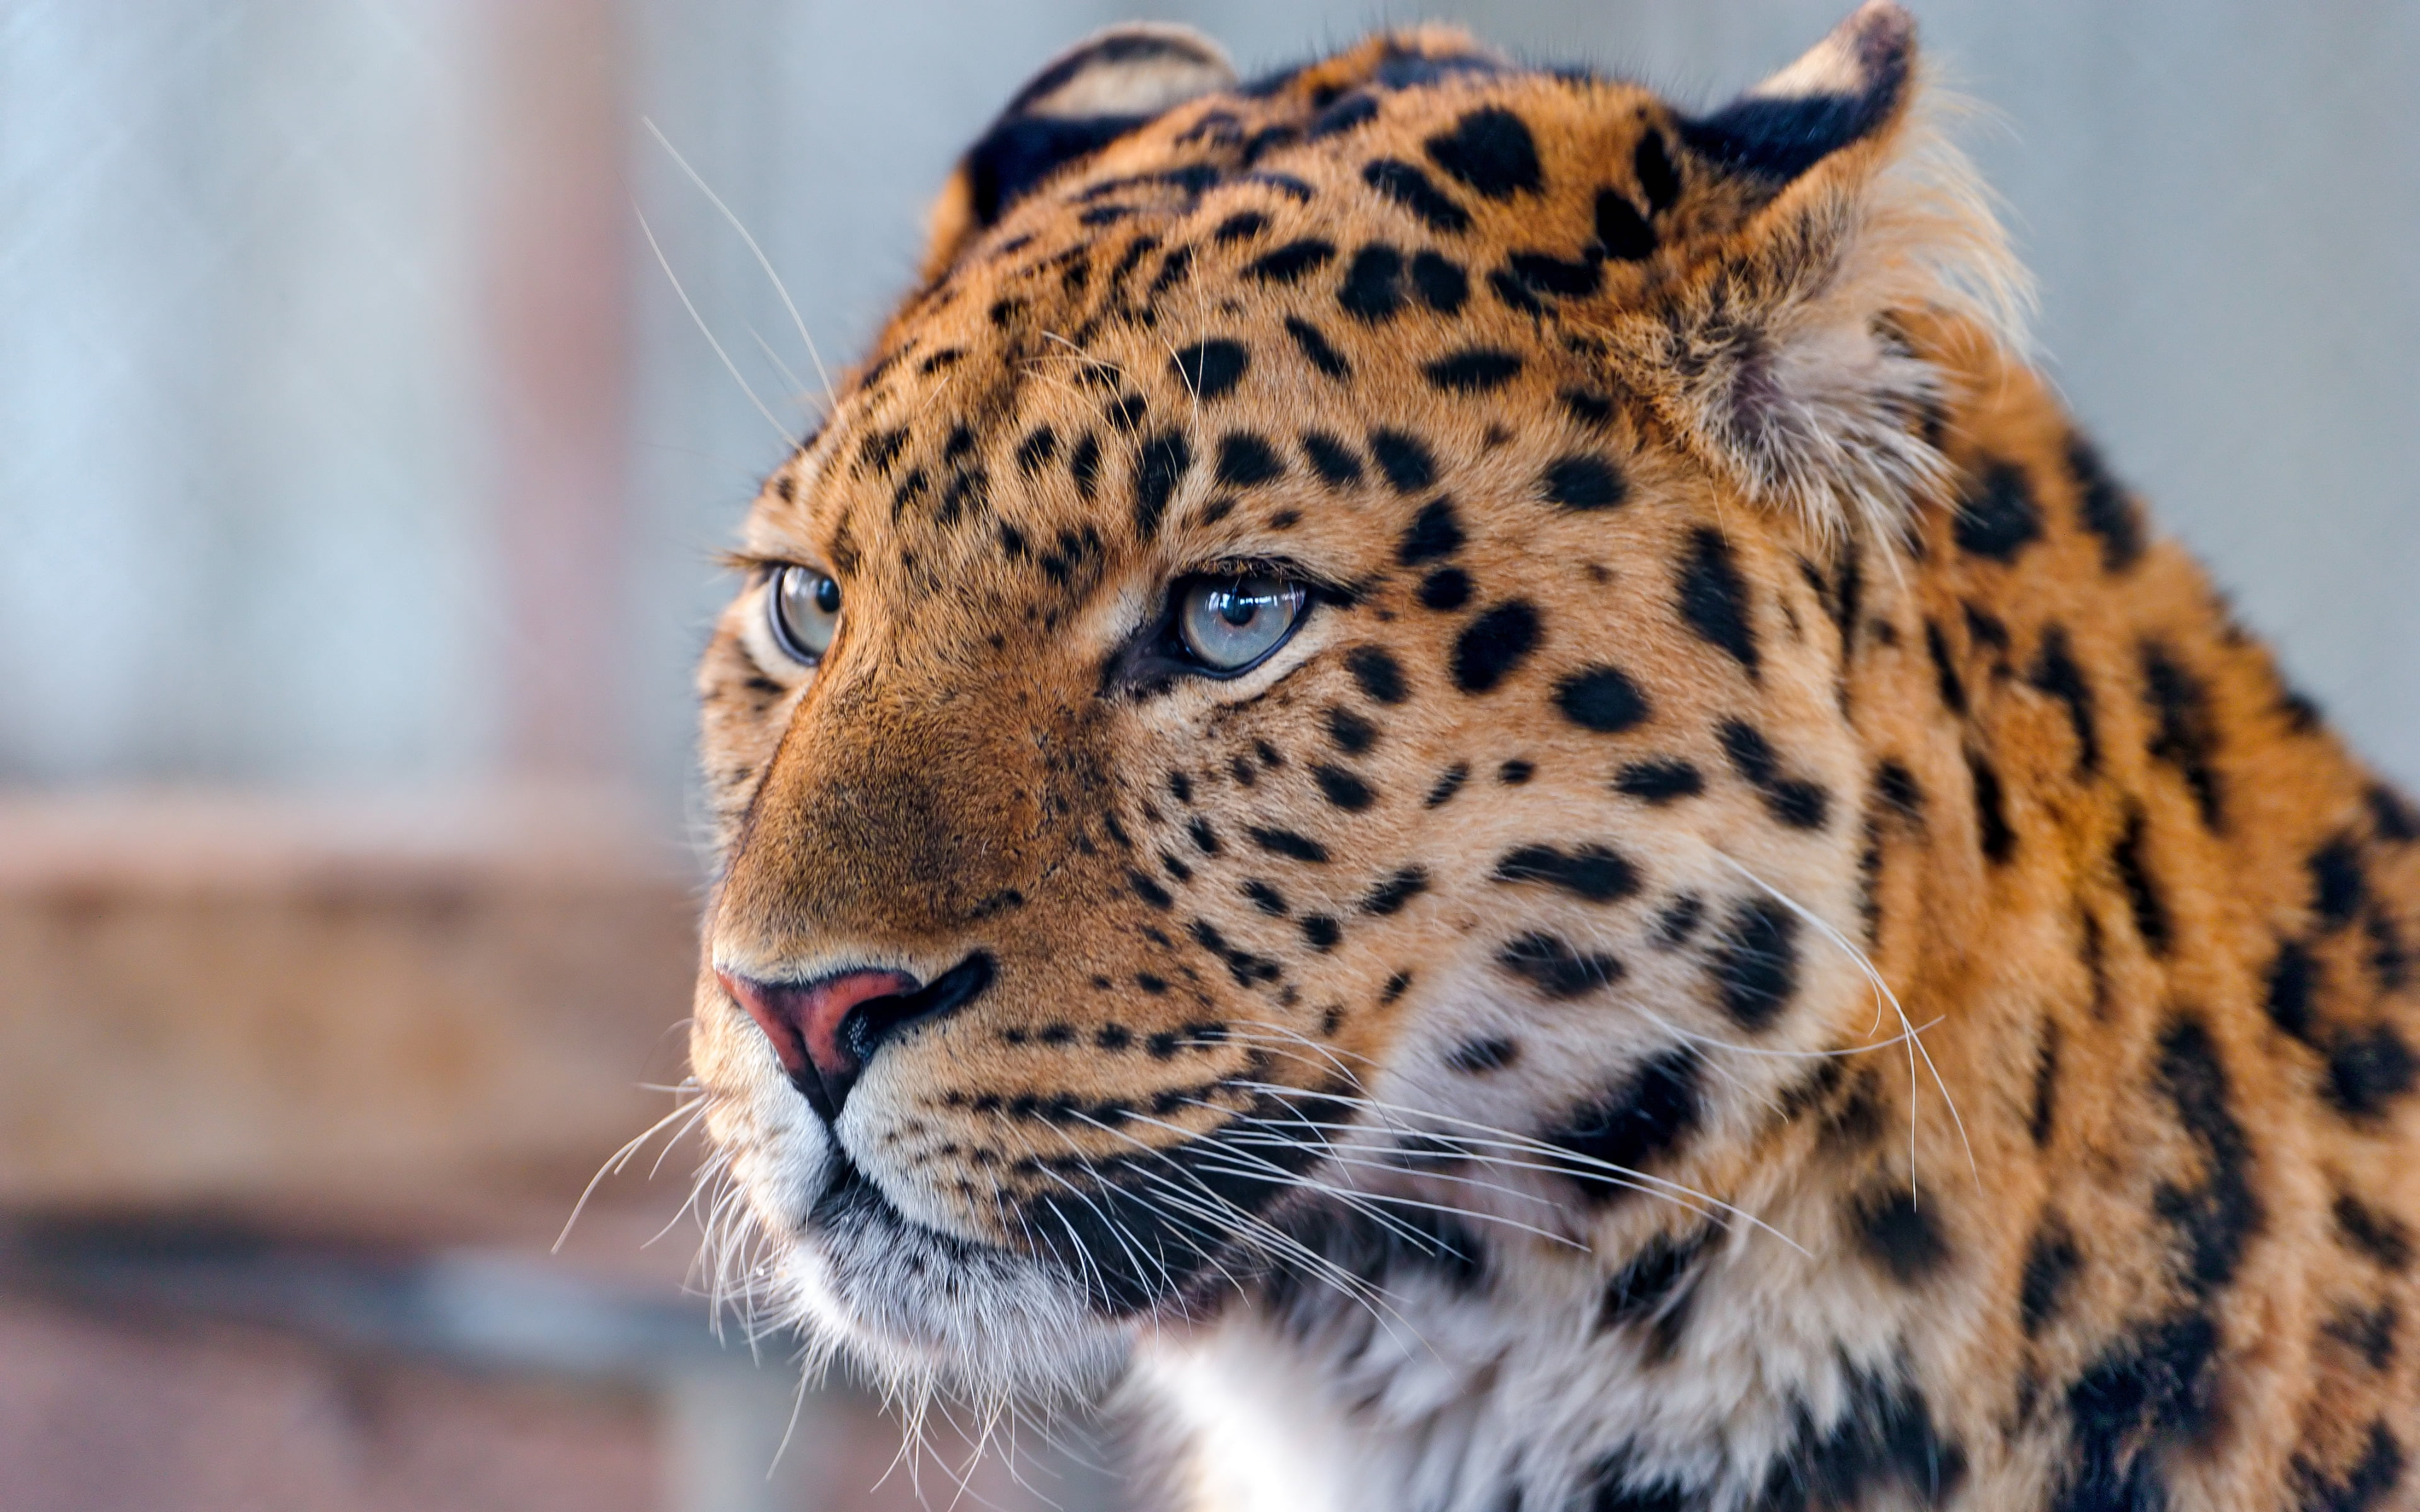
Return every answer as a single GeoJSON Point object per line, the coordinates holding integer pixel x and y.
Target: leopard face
{"type": "Point", "coordinates": [1305, 681]}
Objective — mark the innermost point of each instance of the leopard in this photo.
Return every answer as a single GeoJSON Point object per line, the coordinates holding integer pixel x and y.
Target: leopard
{"type": "Point", "coordinates": [1460, 782]}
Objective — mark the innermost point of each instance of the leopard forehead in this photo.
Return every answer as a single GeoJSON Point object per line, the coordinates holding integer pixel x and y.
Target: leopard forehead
{"type": "Point", "coordinates": [1252, 304]}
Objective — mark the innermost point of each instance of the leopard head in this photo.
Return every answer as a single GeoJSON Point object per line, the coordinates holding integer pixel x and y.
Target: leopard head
{"type": "Point", "coordinates": [1298, 688]}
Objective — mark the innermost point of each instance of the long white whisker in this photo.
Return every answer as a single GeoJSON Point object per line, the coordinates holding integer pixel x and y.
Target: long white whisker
{"type": "Point", "coordinates": [789, 442]}
{"type": "Point", "coordinates": [614, 1165]}
{"type": "Point", "coordinates": [1915, 1043]}
{"type": "Point", "coordinates": [762, 261]}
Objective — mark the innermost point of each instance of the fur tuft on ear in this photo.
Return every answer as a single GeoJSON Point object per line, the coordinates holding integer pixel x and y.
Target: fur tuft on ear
{"type": "Point", "coordinates": [1782, 351]}
{"type": "Point", "coordinates": [1086, 97]}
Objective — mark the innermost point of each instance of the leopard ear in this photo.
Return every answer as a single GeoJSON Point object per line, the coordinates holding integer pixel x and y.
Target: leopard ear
{"type": "Point", "coordinates": [1854, 87]}
{"type": "Point", "coordinates": [1083, 100]}
{"type": "Point", "coordinates": [1839, 222]}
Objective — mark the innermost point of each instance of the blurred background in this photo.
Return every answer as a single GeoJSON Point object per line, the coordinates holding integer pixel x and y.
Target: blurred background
{"type": "Point", "coordinates": [376, 385]}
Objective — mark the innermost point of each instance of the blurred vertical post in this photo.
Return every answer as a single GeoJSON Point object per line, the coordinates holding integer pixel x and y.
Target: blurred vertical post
{"type": "Point", "coordinates": [557, 293]}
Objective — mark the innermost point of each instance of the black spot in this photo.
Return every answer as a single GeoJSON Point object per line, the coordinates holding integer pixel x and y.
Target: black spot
{"type": "Point", "coordinates": [1403, 460]}
{"type": "Point", "coordinates": [1441, 284]}
{"type": "Point", "coordinates": [1448, 588]}
{"type": "Point", "coordinates": [1792, 801]}
{"type": "Point", "coordinates": [2042, 1125]}
{"type": "Point", "coordinates": [2104, 508]}
{"type": "Point", "coordinates": [1353, 110]}
{"type": "Point", "coordinates": [1594, 872]}
{"type": "Point", "coordinates": [1388, 896]}
{"type": "Point", "coordinates": [1331, 460]}
{"type": "Point", "coordinates": [1435, 532]}
{"type": "Point", "coordinates": [2056, 673]}
{"type": "Point", "coordinates": [2152, 1389]}
{"type": "Point", "coordinates": [1126, 414]}
{"type": "Point", "coordinates": [2215, 1220]}
{"type": "Point", "coordinates": [1896, 789]}
{"type": "Point", "coordinates": [1084, 465]}
{"type": "Point", "coordinates": [1517, 772]}
{"type": "Point", "coordinates": [1993, 833]}
{"type": "Point", "coordinates": [1997, 517]}
{"type": "Point", "coordinates": [1320, 933]}
{"type": "Point", "coordinates": [1493, 644]}
{"type": "Point", "coordinates": [1756, 964]}
{"type": "Point", "coordinates": [1657, 178]}
{"type": "Point", "coordinates": [1713, 597]}
{"type": "Point", "coordinates": [1148, 890]}
{"type": "Point", "coordinates": [2293, 982]}
{"type": "Point", "coordinates": [1374, 283]}
{"type": "Point", "coordinates": [1241, 226]}
{"type": "Point", "coordinates": [1653, 1284]}
{"type": "Point", "coordinates": [1902, 1234]}
{"type": "Point", "coordinates": [1342, 789]}
{"type": "Point", "coordinates": [1603, 699]}
{"type": "Point", "coordinates": [1287, 843]}
{"type": "Point", "coordinates": [1678, 921]}
{"type": "Point", "coordinates": [2051, 1263]}
{"type": "Point", "coordinates": [1585, 481]}
{"type": "Point", "coordinates": [1245, 460]}
{"type": "Point", "coordinates": [1034, 452]}
{"type": "Point", "coordinates": [2337, 883]}
{"type": "Point", "coordinates": [1527, 275]}
{"type": "Point", "coordinates": [1351, 733]}
{"type": "Point", "coordinates": [2186, 736]}
{"type": "Point", "coordinates": [1490, 151]}
{"type": "Point", "coordinates": [1448, 783]}
{"type": "Point", "coordinates": [1553, 968]}
{"type": "Point", "coordinates": [1473, 370]}
{"type": "Point", "coordinates": [1587, 406]}
{"type": "Point", "coordinates": [1394, 986]}
{"type": "Point", "coordinates": [1621, 230]}
{"type": "Point", "coordinates": [1660, 781]}
{"type": "Point", "coordinates": [2366, 1071]}
{"type": "Point", "coordinates": [2396, 819]}
{"type": "Point", "coordinates": [1378, 674]}
{"type": "Point", "coordinates": [2150, 909]}
{"type": "Point", "coordinates": [2388, 957]}
{"type": "Point", "coordinates": [1647, 1117]}
{"type": "Point", "coordinates": [1416, 192]}
{"type": "Point", "coordinates": [1264, 898]}
{"type": "Point", "coordinates": [2364, 1485]}
{"type": "Point", "coordinates": [1173, 269]}
{"type": "Point", "coordinates": [1315, 348]}
{"type": "Point", "coordinates": [1945, 672]}
{"type": "Point", "coordinates": [1161, 467]}
{"type": "Point", "coordinates": [1289, 263]}
{"type": "Point", "coordinates": [1211, 368]}
{"type": "Point", "coordinates": [1245, 967]}
{"type": "Point", "coordinates": [2368, 1332]}
{"type": "Point", "coordinates": [2381, 1236]}
{"type": "Point", "coordinates": [1474, 1057]}
{"type": "Point", "coordinates": [881, 448]}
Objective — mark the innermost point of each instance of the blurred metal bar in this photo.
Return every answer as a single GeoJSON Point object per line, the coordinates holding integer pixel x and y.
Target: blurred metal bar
{"type": "Point", "coordinates": [557, 226]}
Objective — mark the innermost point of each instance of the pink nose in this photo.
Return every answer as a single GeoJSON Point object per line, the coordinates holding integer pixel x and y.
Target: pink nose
{"type": "Point", "coordinates": [810, 1025]}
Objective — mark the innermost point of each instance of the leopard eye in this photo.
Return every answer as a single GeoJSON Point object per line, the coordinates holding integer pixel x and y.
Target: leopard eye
{"type": "Point", "coordinates": [805, 610]}
{"type": "Point", "coordinates": [1229, 625]}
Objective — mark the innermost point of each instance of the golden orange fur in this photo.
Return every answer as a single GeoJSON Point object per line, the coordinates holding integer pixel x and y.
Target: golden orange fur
{"type": "Point", "coordinates": [1710, 603]}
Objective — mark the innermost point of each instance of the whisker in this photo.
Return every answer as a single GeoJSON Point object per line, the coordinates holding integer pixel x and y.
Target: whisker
{"type": "Point", "coordinates": [1915, 1043]}
{"type": "Point", "coordinates": [789, 442]}
{"type": "Point", "coordinates": [762, 261]}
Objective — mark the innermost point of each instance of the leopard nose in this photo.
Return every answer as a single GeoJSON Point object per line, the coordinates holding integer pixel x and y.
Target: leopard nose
{"type": "Point", "coordinates": [826, 1030]}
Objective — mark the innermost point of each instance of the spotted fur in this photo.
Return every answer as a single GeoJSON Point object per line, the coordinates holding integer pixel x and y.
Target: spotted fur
{"type": "Point", "coordinates": [1765, 944]}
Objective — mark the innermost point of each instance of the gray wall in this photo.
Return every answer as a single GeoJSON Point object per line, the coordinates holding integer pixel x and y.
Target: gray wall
{"type": "Point", "coordinates": [244, 506]}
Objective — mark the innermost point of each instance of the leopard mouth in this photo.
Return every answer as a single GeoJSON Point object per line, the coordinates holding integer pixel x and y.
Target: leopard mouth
{"type": "Point", "coordinates": [1146, 1237]}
